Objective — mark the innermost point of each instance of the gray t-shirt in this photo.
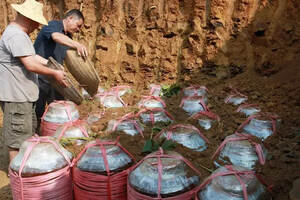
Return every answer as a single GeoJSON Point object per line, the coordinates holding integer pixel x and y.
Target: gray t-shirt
{"type": "Point", "coordinates": [17, 84]}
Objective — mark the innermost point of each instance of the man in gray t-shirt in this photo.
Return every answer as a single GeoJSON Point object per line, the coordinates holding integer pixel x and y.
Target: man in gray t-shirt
{"type": "Point", "coordinates": [18, 79]}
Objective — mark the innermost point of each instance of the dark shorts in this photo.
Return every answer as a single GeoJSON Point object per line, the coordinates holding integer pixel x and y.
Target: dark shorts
{"type": "Point", "coordinates": [19, 122]}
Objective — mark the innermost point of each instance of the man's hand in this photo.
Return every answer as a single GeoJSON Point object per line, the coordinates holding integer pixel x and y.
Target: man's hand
{"type": "Point", "coordinates": [65, 40]}
{"type": "Point", "coordinates": [37, 65]}
{"type": "Point", "coordinates": [82, 50]}
{"type": "Point", "coordinates": [60, 77]}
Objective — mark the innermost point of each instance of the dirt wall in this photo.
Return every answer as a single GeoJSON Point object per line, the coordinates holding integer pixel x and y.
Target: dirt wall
{"type": "Point", "coordinates": [138, 41]}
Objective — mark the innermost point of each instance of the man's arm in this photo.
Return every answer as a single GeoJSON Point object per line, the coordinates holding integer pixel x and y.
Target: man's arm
{"type": "Point", "coordinates": [36, 64]}
{"type": "Point", "coordinates": [40, 59]}
{"type": "Point", "coordinates": [65, 40]}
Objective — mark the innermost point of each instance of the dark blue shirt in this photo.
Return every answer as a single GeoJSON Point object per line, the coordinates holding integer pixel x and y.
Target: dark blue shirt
{"type": "Point", "coordinates": [45, 46]}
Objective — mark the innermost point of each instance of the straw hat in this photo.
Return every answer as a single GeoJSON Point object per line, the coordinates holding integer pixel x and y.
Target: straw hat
{"type": "Point", "coordinates": [32, 10]}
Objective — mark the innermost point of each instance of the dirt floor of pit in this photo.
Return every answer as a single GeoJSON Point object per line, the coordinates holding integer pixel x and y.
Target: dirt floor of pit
{"type": "Point", "coordinates": [279, 94]}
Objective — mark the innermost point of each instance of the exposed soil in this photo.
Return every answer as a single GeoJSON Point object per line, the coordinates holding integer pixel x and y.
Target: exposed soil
{"type": "Point", "coordinates": [252, 46]}
{"type": "Point", "coordinates": [276, 94]}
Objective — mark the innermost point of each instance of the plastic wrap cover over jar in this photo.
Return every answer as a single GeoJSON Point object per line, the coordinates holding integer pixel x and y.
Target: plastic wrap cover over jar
{"type": "Point", "coordinates": [259, 128]}
{"type": "Point", "coordinates": [206, 119]}
{"type": "Point", "coordinates": [144, 178]}
{"type": "Point", "coordinates": [154, 102]}
{"type": "Point", "coordinates": [155, 90]}
{"type": "Point", "coordinates": [240, 153]}
{"type": "Point", "coordinates": [194, 105]}
{"type": "Point", "coordinates": [186, 136]}
{"type": "Point", "coordinates": [195, 91]}
{"type": "Point", "coordinates": [159, 115]}
{"type": "Point", "coordinates": [76, 129]}
{"type": "Point", "coordinates": [43, 158]}
{"type": "Point", "coordinates": [111, 101]}
{"type": "Point", "coordinates": [236, 99]}
{"type": "Point", "coordinates": [57, 112]}
{"type": "Point", "coordinates": [121, 90]}
{"type": "Point", "coordinates": [92, 160]}
{"type": "Point", "coordinates": [229, 188]}
{"type": "Point", "coordinates": [249, 109]}
{"type": "Point", "coordinates": [205, 123]}
{"type": "Point", "coordinates": [130, 127]}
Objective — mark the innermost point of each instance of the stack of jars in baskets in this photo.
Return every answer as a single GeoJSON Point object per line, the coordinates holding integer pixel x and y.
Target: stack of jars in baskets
{"type": "Point", "coordinates": [104, 169]}
{"type": "Point", "coordinates": [42, 168]}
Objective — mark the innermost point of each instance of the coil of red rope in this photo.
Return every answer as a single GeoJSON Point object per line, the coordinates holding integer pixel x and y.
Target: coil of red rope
{"type": "Point", "coordinates": [94, 186]}
{"type": "Point", "coordinates": [135, 195]}
{"type": "Point", "coordinates": [56, 185]}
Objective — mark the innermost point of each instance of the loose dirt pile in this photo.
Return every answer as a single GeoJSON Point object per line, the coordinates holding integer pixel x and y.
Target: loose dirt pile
{"type": "Point", "coordinates": [278, 94]}
{"type": "Point", "coordinates": [252, 46]}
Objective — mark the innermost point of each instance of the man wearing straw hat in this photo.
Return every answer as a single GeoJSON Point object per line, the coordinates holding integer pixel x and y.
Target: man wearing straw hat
{"type": "Point", "coordinates": [54, 40]}
{"type": "Point", "coordinates": [18, 79]}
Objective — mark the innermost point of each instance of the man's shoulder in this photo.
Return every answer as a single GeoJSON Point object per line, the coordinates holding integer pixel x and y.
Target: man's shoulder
{"type": "Point", "coordinates": [13, 32]}
{"type": "Point", "coordinates": [54, 24]}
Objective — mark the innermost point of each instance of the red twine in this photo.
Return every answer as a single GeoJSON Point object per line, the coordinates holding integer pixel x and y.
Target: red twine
{"type": "Point", "coordinates": [271, 117]}
{"type": "Point", "coordinates": [234, 93]}
{"type": "Point", "coordinates": [92, 186]}
{"type": "Point", "coordinates": [170, 130]}
{"type": "Point", "coordinates": [231, 171]}
{"type": "Point", "coordinates": [134, 195]}
{"type": "Point", "coordinates": [127, 118]}
{"type": "Point", "coordinates": [49, 128]}
{"type": "Point", "coordinates": [206, 113]}
{"type": "Point", "coordinates": [41, 186]}
{"type": "Point", "coordinates": [200, 98]}
{"type": "Point", "coordinates": [195, 89]}
{"type": "Point", "coordinates": [241, 137]}
{"type": "Point", "coordinates": [152, 110]}
{"type": "Point", "coordinates": [155, 88]}
{"type": "Point", "coordinates": [147, 98]}
{"type": "Point", "coordinates": [78, 123]}
{"type": "Point", "coordinates": [243, 106]}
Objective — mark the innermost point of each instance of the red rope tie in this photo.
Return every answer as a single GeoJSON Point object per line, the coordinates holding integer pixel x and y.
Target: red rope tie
{"type": "Point", "coordinates": [41, 187]}
{"type": "Point", "coordinates": [103, 150]}
{"type": "Point", "coordinates": [271, 117]}
{"type": "Point", "coordinates": [134, 195]}
{"type": "Point", "coordinates": [243, 106]}
{"type": "Point", "coordinates": [195, 89]}
{"type": "Point", "coordinates": [128, 117]}
{"type": "Point", "coordinates": [170, 130]}
{"type": "Point", "coordinates": [49, 128]}
{"type": "Point", "coordinates": [88, 185]}
{"type": "Point", "coordinates": [152, 110]}
{"type": "Point", "coordinates": [153, 88]}
{"type": "Point", "coordinates": [108, 94]}
{"type": "Point", "coordinates": [146, 98]}
{"type": "Point", "coordinates": [125, 117]}
{"type": "Point", "coordinates": [234, 93]}
{"type": "Point", "coordinates": [77, 123]}
{"type": "Point", "coordinates": [36, 185]}
{"type": "Point", "coordinates": [206, 113]}
{"type": "Point", "coordinates": [231, 171]}
{"type": "Point", "coordinates": [117, 89]}
{"type": "Point", "coordinates": [241, 137]}
{"type": "Point", "coordinates": [200, 98]}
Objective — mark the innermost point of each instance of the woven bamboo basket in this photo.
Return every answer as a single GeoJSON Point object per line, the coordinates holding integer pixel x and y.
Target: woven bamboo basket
{"type": "Point", "coordinates": [83, 71]}
{"type": "Point", "coordinates": [70, 92]}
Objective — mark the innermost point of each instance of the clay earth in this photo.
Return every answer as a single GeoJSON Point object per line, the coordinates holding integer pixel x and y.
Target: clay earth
{"type": "Point", "coordinates": [252, 46]}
